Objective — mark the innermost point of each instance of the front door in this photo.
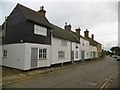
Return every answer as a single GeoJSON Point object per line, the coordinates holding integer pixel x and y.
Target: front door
{"type": "Point", "coordinates": [72, 56]}
{"type": "Point", "coordinates": [82, 55]}
{"type": "Point", "coordinates": [34, 57]}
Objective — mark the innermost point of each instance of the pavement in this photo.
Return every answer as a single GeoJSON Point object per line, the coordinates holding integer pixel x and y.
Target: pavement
{"type": "Point", "coordinates": [11, 75]}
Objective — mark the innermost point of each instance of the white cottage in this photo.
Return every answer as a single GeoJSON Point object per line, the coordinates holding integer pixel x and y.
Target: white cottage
{"type": "Point", "coordinates": [27, 40]}
{"type": "Point", "coordinates": [65, 46]}
{"type": "Point", "coordinates": [85, 49]}
{"type": "Point", "coordinates": [92, 45]}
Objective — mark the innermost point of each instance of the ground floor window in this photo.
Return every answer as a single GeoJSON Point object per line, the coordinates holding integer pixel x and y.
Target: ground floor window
{"type": "Point", "coordinates": [5, 53]}
{"type": "Point", "coordinates": [61, 54]}
{"type": "Point", "coordinates": [42, 53]}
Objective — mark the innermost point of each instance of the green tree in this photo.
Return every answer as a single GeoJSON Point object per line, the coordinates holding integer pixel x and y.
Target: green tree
{"type": "Point", "coordinates": [115, 50]}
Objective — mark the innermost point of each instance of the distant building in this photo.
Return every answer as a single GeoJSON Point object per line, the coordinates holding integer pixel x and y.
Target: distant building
{"type": "Point", "coordinates": [31, 41]}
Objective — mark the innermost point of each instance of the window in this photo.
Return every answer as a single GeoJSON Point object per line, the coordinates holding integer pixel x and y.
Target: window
{"type": "Point", "coordinates": [40, 30]}
{"type": "Point", "coordinates": [4, 53]}
{"type": "Point", "coordinates": [61, 54]}
{"type": "Point", "coordinates": [42, 53]}
{"type": "Point", "coordinates": [63, 42]}
{"type": "Point", "coordinates": [76, 54]}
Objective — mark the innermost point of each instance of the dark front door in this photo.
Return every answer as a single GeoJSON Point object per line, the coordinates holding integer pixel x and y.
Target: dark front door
{"type": "Point", "coordinates": [72, 56]}
{"type": "Point", "coordinates": [82, 55]}
{"type": "Point", "coordinates": [34, 57]}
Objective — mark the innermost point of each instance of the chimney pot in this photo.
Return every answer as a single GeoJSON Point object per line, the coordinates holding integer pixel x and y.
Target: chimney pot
{"type": "Point", "coordinates": [86, 33]}
{"type": "Point", "coordinates": [67, 27]}
{"type": "Point", "coordinates": [42, 11]}
{"type": "Point", "coordinates": [78, 31]}
{"type": "Point", "coordinates": [92, 36]}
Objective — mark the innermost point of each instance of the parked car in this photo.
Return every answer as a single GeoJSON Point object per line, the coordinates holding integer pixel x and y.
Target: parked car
{"type": "Point", "coordinates": [118, 57]}
{"type": "Point", "coordinates": [114, 56]}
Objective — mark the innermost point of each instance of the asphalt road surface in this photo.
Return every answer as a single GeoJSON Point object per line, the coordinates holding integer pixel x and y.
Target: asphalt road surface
{"type": "Point", "coordinates": [95, 74]}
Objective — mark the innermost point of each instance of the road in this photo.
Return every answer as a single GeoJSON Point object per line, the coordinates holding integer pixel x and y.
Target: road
{"type": "Point", "coordinates": [95, 74]}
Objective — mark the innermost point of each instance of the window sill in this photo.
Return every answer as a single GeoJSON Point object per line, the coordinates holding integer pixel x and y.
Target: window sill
{"type": "Point", "coordinates": [42, 59]}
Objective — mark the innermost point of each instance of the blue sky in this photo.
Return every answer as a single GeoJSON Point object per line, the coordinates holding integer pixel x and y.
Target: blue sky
{"type": "Point", "coordinates": [100, 18]}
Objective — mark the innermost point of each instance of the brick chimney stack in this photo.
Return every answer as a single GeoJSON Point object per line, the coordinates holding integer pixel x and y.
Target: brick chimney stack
{"type": "Point", "coordinates": [86, 33]}
{"type": "Point", "coordinates": [67, 27]}
{"type": "Point", "coordinates": [42, 11]}
{"type": "Point", "coordinates": [92, 36]}
{"type": "Point", "coordinates": [78, 31]}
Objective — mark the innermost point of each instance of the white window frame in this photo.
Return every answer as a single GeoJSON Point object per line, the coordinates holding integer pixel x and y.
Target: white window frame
{"type": "Point", "coordinates": [42, 54]}
{"type": "Point", "coordinates": [61, 54]}
{"type": "Point", "coordinates": [40, 30]}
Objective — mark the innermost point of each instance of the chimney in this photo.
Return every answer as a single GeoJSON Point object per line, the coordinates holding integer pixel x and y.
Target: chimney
{"type": "Point", "coordinates": [78, 31]}
{"type": "Point", "coordinates": [86, 33]}
{"type": "Point", "coordinates": [42, 11]}
{"type": "Point", "coordinates": [92, 36]}
{"type": "Point", "coordinates": [67, 27]}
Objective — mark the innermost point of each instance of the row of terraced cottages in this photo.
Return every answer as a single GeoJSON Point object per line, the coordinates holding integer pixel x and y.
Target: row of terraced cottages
{"type": "Point", "coordinates": [31, 41]}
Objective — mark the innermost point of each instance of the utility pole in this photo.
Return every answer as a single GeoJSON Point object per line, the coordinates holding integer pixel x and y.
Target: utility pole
{"type": "Point", "coordinates": [5, 27]}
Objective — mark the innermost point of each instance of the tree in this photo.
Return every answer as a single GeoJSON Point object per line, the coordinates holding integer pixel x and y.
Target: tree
{"type": "Point", "coordinates": [115, 50]}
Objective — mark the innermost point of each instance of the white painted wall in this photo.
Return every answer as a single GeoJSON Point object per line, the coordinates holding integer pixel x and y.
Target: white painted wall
{"type": "Point", "coordinates": [85, 47]}
{"type": "Point", "coordinates": [41, 63]}
{"type": "Point", "coordinates": [15, 56]}
{"type": "Point", "coordinates": [93, 48]}
{"type": "Point", "coordinates": [56, 46]}
{"type": "Point", "coordinates": [19, 55]}
{"type": "Point", "coordinates": [76, 49]}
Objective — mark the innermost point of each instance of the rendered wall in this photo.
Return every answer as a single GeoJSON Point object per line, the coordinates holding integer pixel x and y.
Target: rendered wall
{"type": "Point", "coordinates": [15, 56]}
{"type": "Point", "coordinates": [41, 63]}
{"type": "Point", "coordinates": [56, 46]}
{"type": "Point", "coordinates": [76, 49]}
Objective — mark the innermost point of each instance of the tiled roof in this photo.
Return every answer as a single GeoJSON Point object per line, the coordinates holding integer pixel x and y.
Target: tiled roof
{"type": "Point", "coordinates": [34, 16]}
{"type": "Point", "coordinates": [61, 33]}
{"type": "Point", "coordinates": [92, 42]}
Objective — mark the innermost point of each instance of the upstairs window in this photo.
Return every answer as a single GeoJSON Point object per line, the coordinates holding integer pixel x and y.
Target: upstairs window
{"type": "Point", "coordinates": [63, 43]}
{"type": "Point", "coordinates": [40, 30]}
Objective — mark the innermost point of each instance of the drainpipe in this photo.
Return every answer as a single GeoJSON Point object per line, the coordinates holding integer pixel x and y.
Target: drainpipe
{"type": "Point", "coordinates": [51, 49]}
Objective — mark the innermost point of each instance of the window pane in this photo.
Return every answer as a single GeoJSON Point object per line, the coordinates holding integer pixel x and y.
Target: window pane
{"type": "Point", "coordinates": [44, 50]}
{"type": "Point", "coordinates": [40, 50]}
{"type": "Point", "coordinates": [44, 56]}
{"type": "Point", "coordinates": [40, 55]}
